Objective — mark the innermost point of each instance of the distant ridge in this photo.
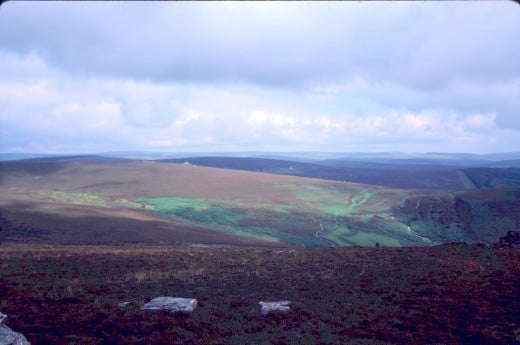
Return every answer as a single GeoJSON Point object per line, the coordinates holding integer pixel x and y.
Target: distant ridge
{"type": "Point", "coordinates": [79, 158]}
{"type": "Point", "coordinates": [463, 159]}
{"type": "Point", "coordinates": [243, 163]}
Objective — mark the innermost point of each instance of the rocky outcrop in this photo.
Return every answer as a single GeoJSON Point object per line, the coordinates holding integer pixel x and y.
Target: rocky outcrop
{"type": "Point", "coordinates": [279, 306]}
{"type": "Point", "coordinates": [173, 304]}
{"type": "Point", "coordinates": [10, 337]}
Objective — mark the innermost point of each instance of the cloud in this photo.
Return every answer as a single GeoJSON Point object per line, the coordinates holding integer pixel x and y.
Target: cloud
{"type": "Point", "coordinates": [85, 117]}
{"type": "Point", "coordinates": [273, 43]}
{"type": "Point", "coordinates": [187, 118]}
{"type": "Point", "coordinates": [207, 119]}
{"type": "Point", "coordinates": [236, 117]}
{"type": "Point", "coordinates": [259, 76]}
{"type": "Point", "coordinates": [481, 122]}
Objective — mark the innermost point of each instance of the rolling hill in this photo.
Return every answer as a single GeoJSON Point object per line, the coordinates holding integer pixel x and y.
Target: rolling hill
{"type": "Point", "coordinates": [114, 202]}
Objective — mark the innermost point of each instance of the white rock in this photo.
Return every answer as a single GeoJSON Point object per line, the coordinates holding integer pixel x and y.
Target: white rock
{"type": "Point", "coordinates": [268, 307]}
{"type": "Point", "coordinates": [123, 304]}
{"type": "Point", "coordinates": [173, 304]}
{"type": "Point", "coordinates": [10, 337]}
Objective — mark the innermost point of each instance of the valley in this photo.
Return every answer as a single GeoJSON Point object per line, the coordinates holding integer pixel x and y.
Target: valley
{"type": "Point", "coordinates": [103, 201]}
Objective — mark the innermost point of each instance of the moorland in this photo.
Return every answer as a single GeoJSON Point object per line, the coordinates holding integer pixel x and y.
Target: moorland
{"type": "Point", "coordinates": [254, 201]}
{"type": "Point", "coordinates": [369, 249]}
{"type": "Point", "coordinates": [445, 294]}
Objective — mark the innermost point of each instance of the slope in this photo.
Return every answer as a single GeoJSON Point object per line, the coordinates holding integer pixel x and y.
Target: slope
{"type": "Point", "coordinates": [149, 202]}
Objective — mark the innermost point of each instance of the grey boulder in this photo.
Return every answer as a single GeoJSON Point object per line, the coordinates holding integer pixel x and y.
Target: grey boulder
{"type": "Point", "coordinates": [278, 306]}
{"type": "Point", "coordinates": [10, 337]}
{"type": "Point", "coordinates": [173, 304]}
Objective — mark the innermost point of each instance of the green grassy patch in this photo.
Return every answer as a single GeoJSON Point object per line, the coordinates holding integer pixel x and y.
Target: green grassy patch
{"type": "Point", "coordinates": [345, 236]}
{"type": "Point", "coordinates": [289, 227]}
{"type": "Point", "coordinates": [194, 210]}
{"type": "Point", "coordinates": [329, 199]}
{"type": "Point", "coordinates": [339, 236]}
{"type": "Point", "coordinates": [172, 204]}
{"type": "Point", "coordinates": [75, 198]}
{"type": "Point", "coordinates": [357, 201]}
{"type": "Point", "coordinates": [87, 199]}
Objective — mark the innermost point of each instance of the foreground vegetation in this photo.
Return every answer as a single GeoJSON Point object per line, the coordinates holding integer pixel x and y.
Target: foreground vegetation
{"type": "Point", "coordinates": [449, 294]}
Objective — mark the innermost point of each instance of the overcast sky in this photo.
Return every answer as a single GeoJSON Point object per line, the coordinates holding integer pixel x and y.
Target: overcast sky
{"type": "Point", "coordinates": [231, 76]}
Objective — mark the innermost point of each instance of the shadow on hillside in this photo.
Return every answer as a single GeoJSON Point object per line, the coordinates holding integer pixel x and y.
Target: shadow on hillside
{"type": "Point", "coordinates": [410, 176]}
{"type": "Point", "coordinates": [79, 224]}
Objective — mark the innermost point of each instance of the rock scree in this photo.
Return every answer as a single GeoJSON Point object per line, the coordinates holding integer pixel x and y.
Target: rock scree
{"type": "Point", "coordinates": [278, 306]}
{"type": "Point", "coordinates": [173, 304]}
{"type": "Point", "coordinates": [8, 336]}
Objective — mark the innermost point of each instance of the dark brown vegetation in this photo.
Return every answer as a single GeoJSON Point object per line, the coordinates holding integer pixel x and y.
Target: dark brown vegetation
{"type": "Point", "coordinates": [449, 294]}
{"type": "Point", "coordinates": [472, 216]}
{"type": "Point", "coordinates": [512, 239]}
{"type": "Point", "coordinates": [80, 224]}
{"type": "Point", "coordinates": [407, 176]}
{"type": "Point", "coordinates": [485, 178]}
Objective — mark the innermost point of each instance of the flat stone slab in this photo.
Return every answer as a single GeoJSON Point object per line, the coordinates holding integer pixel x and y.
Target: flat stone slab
{"type": "Point", "coordinates": [10, 337]}
{"type": "Point", "coordinates": [280, 306]}
{"type": "Point", "coordinates": [173, 304]}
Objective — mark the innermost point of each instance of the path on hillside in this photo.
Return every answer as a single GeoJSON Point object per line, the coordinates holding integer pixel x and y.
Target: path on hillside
{"type": "Point", "coordinates": [317, 234]}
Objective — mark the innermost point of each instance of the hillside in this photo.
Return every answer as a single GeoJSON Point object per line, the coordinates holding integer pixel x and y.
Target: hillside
{"type": "Point", "coordinates": [392, 173]}
{"type": "Point", "coordinates": [114, 202]}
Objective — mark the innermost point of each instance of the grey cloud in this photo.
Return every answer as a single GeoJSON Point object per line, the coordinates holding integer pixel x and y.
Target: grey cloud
{"type": "Point", "coordinates": [162, 63]}
{"type": "Point", "coordinates": [282, 44]}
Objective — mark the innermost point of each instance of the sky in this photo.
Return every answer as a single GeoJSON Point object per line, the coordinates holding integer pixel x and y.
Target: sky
{"type": "Point", "coordinates": [411, 76]}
